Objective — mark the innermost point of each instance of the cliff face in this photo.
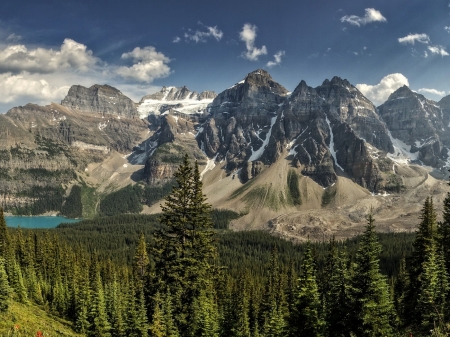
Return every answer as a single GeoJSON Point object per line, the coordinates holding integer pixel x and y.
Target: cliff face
{"type": "Point", "coordinates": [329, 129]}
{"type": "Point", "coordinates": [102, 99]}
{"type": "Point", "coordinates": [420, 124]}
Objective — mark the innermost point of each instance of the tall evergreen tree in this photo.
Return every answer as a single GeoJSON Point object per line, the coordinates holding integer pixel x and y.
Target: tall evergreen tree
{"type": "Point", "coordinates": [184, 247]}
{"type": "Point", "coordinates": [5, 290]}
{"type": "Point", "coordinates": [306, 318]}
{"type": "Point", "coordinates": [97, 317]}
{"type": "Point", "coordinates": [3, 235]}
{"type": "Point", "coordinates": [141, 261]}
{"type": "Point", "coordinates": [372, 307]}
{"type": "Point", "coordinates": [423, 246]}
{"type": "Point", "coordinates": [337, 294]}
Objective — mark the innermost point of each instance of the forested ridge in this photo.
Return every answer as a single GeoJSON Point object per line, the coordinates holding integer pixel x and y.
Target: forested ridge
{"type": "Point", "coordinates": [182, 273]}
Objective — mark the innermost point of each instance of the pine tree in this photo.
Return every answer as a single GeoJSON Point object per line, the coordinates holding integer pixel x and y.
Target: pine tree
{"type": "Point", "coordinates": [337, 294]}
{"type": "Point", "coordinates": [239, 314]}
{"type": "Point", "coordinates": [206, 314]}
{"type": "Point", "coordinates": [423, 246]}
{"type": "Point", "coordinates": [3, 235]}
{"type": "Point", "coordinates": [141, 261]}
{"type": "Point", "coordinates": [184, 247]}
{"type": "Point", "coordinates": [372, 307]}
{"type": "Point", "coordinates": [444, 232]}
{"type": "Point", "coordinates": [116, 310]}
{"type": "Point", "coordinates": [306, 318]}
{"type": "Point", "coordinates": [5, 290]}
{"type": "Point", "coordinates": [82, 297]}
{"type": "Point", "coordinates": [432, 293]}
{"type": "Point", "coordinates": [97, 317]}
{"type": "Point", "coordinates": [400, 288]}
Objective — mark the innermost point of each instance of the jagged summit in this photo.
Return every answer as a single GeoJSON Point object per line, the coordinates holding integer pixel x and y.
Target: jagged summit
{"type": "Point", "coordinates": [178, 94]}
{"type": "Point", "coordinates": [404, 92]}
{"type": "Point", "coordinates": [103, 99]}
{"type": "Point", "coordinates": [174, 99]}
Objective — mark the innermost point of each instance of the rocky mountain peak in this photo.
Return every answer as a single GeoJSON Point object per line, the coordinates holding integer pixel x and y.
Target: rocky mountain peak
{"type": "Point", "coordinates": [403, 92]}
{"type": "Point", "coordinates": [103, 99]}
{"type": "Point", "coordinates": [178, 94]}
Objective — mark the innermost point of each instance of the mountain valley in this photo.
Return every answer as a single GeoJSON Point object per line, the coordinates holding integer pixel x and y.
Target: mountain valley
{"type": "Point", "coordinates": [308, 163]}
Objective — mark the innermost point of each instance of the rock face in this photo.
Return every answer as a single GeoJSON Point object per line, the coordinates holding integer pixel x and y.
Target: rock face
{"type": "Point", "coordinates": [175, 100]}
{"type": "Point", "coordinates": [329, 129]}
{"type": "Point", "coordinates": [421, 126]}
{"type": "Point", "coordinates": [102, 99]}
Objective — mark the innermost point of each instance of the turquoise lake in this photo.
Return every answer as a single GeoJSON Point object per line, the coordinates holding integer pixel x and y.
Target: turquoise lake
{"type": "Point", "coordinates": [36, 221]}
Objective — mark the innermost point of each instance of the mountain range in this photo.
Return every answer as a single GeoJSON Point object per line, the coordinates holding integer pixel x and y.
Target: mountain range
{"type": "Point", "coordinates": [307, 163]}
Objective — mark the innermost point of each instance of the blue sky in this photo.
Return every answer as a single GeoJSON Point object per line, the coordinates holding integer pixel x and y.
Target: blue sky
{"type": "Point", "coordinates": [139, 46]}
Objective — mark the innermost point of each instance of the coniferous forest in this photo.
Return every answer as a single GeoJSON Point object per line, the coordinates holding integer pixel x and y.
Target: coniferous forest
{"type": "Point", "coordinates": [181, 273]}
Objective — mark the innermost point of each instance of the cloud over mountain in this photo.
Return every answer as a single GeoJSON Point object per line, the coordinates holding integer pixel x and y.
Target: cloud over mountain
{"type": "Point", "coordinates": [380, 92]}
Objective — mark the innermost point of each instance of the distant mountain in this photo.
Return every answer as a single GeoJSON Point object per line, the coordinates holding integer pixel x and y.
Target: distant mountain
{"type": "Point", "coordinates": [102, 99]}
{"type": "Point", "coordinates": [176, 100]}
{"type": "Point", "coordinates": [283, 158]}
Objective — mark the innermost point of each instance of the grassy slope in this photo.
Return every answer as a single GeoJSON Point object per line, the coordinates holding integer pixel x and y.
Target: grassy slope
{"type": "Point", "coordinates": [30, 318]}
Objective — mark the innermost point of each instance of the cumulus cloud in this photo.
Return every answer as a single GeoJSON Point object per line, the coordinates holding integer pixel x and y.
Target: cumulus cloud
{"type": "Point", "coordinates": [277, 58]}
{"type": "Point", "coordinates": [432, 91]}
{"type": "Point", "coordinates": [41, 75]}
{"type": "Point", "coordinates": [412, 38]}
{"type": "Point", "coordinates": [439, 50]}
{"type": "Point", "coordinates": [199, 36]}
{"type": "Point", "coordinates": [14, 86]}
{"type": "Point", "coordinates": [380, 92]}
{"type": "Point", "coordinates": [372, 15]}
{"type": "Point", "coordinates": [71, 55]}
{"type": "Point", "coordinates": [248, 35]}
{"type": "Point", "coordinates": [149, 65]}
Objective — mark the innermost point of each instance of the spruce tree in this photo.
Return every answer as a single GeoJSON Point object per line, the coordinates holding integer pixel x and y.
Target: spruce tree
{"type": "Point", "coordinates": [3, 235]}
{"type": "Point", "coordinates": [5, 290]}
{"type": "Point", "coordinates": [97, 317]}
{"type": "Point", "coordinates": [184, 247]}
{"type": "Point", "coordinates": [423, 246]}
{"type": "Point", "coordinates": [306, 318]}
{"type": "Point", "coordinates": [432, 293]}
{"type": "Point", "coordinates": [372, 307]}
{"type": "Point", "coordinates": [337, 294]}
{"type": "Point", "coordinates": [141, 261]}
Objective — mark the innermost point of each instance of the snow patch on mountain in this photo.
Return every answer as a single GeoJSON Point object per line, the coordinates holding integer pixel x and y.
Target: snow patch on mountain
{"type": "Point", "coordinates": [333, 152]}
{"type": "Point", "coordinates": [402, 152]}
{"type": "Point", "coordinates": [258, 153]}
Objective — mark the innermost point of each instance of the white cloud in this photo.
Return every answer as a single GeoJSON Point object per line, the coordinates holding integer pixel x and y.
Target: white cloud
{"type": "Point", "coordinates": [14, 86]}
{"type": "Point", "coordinates": [150, 65]}
{"type": "Point", "coordinates": [277, 58]}
{"type": "Point", "coordinates": [199, 36]}
{"type": "Point", "coordinates": [176, 39]}
{"type": "Point", "coordinates": [432, 91]}
{"type": "Point", "coordinates": [447, 29]}
{"type": "Point", "coordinates": [439, 50]}
{"type": "Point", "coordinates": [412, 38]}
{"type": "Point", "coordinates": [380, 92]}
{"type": "Point", "coordinates": [372, 15]}
{"type": "Point", "coordinates": [71, 55]}
{"type": "Point", "coordinates": [425, 54]}
{"type": "Point", "coordinates": [248, 35]}
{"type": "Point", "coordinates": [41, 75]}
{"type": "Point", "coordinates": [13, 37]}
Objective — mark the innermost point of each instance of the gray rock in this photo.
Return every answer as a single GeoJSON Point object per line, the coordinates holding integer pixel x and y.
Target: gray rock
{"type": "Point", "coordinates": [102, 99]}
